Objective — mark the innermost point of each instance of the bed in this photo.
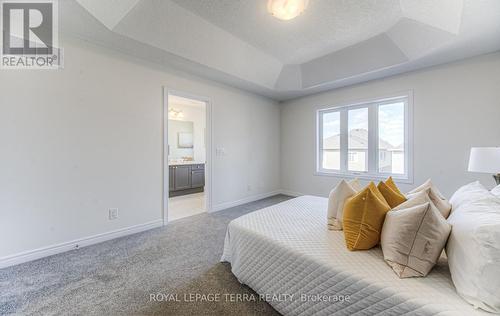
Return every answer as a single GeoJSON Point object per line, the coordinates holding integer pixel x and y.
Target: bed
{"type": "Point", "coordinates": [286, 254]}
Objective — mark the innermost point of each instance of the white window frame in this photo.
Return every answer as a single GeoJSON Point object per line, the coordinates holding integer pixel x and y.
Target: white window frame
{"type": "Point", "coordinates": [373, 156]}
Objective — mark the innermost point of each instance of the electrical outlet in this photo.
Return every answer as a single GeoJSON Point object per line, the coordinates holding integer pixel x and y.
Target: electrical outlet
{"type": "Point", "coordinates": [113, 213]}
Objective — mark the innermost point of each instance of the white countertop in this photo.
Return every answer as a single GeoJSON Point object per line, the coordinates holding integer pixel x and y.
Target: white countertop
{"type": "Point", "coordinates": [183, 163]}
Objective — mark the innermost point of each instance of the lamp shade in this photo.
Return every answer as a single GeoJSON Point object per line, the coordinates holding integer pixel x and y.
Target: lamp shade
{"type": "Point", "coordinates": [484, 159]}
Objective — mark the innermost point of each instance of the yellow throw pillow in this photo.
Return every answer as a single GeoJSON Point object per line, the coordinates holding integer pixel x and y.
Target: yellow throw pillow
{"type": "Point", "coordinates": [393, 197]}
{"type": "Point", "coordinates": [390, 182]}
{"type": "Point", "coordinates": [364, 215]}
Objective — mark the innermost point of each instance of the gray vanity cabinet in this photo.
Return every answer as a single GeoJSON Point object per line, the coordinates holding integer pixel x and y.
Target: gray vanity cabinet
{"type": "Point", "coordinates": [197, 178]}
{"type": "Point", "coordinates": [171, 178]}
{"type": "Point", "coordinates": [186, 179]}
{"type": "Point", "coordinates": [182, 177]}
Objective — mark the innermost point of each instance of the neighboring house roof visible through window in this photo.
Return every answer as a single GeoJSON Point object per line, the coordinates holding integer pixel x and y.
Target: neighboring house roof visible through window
{"type": "Point", "coordinates": [359, 140]}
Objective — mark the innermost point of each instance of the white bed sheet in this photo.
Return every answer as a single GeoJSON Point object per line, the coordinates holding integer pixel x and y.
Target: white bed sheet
{"type": "Point", "coordinates": [287, 249]}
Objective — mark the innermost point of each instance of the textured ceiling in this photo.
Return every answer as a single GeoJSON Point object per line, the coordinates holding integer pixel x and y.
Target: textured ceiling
{"type": "Point", "coordinates": [325, 27]}
{"type": "Point", "coordinates": [443, 14]}
{"type": "Point", "coordinates": [109, 12]}
{"type": "Point", "coordinates": [167, 26]}
{"type": "Point", "coordinates": [332, 44]}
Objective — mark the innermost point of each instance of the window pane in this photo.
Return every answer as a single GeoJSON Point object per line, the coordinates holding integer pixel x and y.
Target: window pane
{"type": "Point", "coordinates": [358, 140]}
{"type": "Point", "coordinates": [331, 141]}
{"type": "Point", "coordinates": [391, 144]}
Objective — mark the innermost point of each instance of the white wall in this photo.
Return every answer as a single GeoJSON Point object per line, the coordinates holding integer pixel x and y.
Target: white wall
{"type": "Point", "coordinates": [78, 141]}
{"type": "Point", "coordinates": [89, 137]}
{"type": "Point", "coordinates": [456, 106]}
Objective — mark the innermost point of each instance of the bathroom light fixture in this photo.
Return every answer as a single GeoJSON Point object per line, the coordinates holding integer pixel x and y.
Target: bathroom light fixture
{"type": "Point", "coordinates": [286, 9]}
{"type": "Point", "coordinates": [175, 114]}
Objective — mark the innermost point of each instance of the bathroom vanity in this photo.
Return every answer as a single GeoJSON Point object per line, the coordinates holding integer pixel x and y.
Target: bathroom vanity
{"type": "Point", "coordinates": [186, 178]}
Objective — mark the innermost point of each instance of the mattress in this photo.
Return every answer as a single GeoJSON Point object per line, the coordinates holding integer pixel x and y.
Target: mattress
{"type": "Point", "coordinates": [287, 255]}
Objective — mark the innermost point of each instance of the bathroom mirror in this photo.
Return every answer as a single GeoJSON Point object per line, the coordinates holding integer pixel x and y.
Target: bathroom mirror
{"type": "Point", "coordinates": [185, 140]}
{"type": "Point", "coordinates": [180, 139]}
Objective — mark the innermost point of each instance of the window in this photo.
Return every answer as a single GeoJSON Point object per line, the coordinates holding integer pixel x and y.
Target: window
{"type": "Point", "coordinates": [331, 145]}
{"type": "Point", "coordinates": [370, 140]}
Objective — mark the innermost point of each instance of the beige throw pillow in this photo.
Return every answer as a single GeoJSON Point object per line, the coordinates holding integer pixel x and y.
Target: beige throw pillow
{"type": "Point", "coordinates": [356, 185]}
{"type": "Point", "coordinates": [426, 185]}
{"type": "Point", "coordinates": [336, 200]}
{"type": "Point", "coordinates": [418, 198]}
{"type": "Point", "coordinates": [436, 197]}
{"type": "Point", "coordinates": [413, 239]}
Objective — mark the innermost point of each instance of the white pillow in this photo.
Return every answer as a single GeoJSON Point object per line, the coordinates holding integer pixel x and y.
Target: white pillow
{"type": "Point", "coordinates": [468, 193]}
{"type": "Point", "coordinates": [473, 248]}
{"type": "Point", "coordinates": [336, 201]}
{"type": "Point", "coordinates": [436, 197]}
{"type": "Point", "coordinates": [496, 190]}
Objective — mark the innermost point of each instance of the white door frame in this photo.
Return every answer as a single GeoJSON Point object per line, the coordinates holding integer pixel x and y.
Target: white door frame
{"type": "Point", "coordinates": [208, 148]}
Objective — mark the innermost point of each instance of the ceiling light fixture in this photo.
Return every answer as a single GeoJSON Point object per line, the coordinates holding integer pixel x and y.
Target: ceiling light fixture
{"type": "Point", "coordinates": [286, 9]}
{"type": "Point", "coordinates": [175, 114]}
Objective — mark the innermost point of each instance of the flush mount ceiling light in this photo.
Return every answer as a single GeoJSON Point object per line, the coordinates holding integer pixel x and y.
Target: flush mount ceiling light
{"type": "Point", "coordinates": [286, 9]}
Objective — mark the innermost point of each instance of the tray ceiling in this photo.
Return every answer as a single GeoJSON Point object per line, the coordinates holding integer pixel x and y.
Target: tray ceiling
{"type": "Point", "coordinates": [332, 44]}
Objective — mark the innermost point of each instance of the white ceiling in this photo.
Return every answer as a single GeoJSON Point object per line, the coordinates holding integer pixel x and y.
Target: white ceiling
{"type": "Point", "coordinates": [325, 27]}
{"type": "Point", "coordinates": [174, 100]}
{"type": "Point", "coordinates": [109, 12]}
{"type": "Point", "coordinates": [332, 44]}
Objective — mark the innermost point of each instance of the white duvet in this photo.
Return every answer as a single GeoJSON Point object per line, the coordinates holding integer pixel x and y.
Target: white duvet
{"type": "Point", "coordinates": [473, 248]}
{"type": "Point", "coordinates": [286, 252]}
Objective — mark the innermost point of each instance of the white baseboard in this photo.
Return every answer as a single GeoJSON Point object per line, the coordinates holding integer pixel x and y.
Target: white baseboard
{"type": "Point", "coordinates": [290, 193]}
{"type": "Point", "coordinates": [75, 244]}
{"type": "Point", "coordinates": [253, 198]}
{"type": "Point", "coordinates": [91, 240]}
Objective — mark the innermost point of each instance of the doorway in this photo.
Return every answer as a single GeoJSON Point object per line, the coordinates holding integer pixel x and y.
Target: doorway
{"type": "Point", "coordinates": [187, 159]}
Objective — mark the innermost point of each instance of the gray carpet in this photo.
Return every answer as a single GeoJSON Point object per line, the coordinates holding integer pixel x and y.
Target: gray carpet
{"type": "Point", "coordinates": [117, 277]}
